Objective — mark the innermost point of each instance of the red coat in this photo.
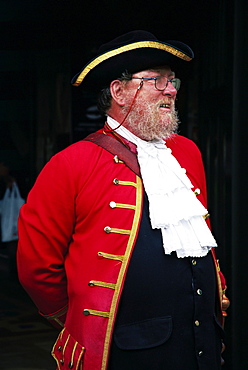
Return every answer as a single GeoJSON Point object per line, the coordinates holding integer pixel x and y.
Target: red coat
{"type": "Point", "coordinates": [76, 235]}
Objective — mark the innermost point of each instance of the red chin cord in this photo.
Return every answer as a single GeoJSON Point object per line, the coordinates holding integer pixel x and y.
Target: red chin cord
{"type": "Point", "coordinates": [129, 110]}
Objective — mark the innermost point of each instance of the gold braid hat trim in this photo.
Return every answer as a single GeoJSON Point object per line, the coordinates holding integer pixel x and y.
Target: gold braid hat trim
{"type": "Point", "coordinates": [129, 47]}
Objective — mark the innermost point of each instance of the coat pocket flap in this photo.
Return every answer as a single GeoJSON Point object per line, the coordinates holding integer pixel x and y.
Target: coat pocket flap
{"type": "Point", "coordinates": [67, 351]}
{"type": "Point", "coordinates": [143, 334]}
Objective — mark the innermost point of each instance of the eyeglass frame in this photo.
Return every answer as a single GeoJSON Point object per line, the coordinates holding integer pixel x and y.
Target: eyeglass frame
{"type": "Point", "coordinates": [155, 79]}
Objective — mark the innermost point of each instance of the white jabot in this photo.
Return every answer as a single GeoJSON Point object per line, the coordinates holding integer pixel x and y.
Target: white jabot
{"type": "Point", "coordinates": [173, 206]}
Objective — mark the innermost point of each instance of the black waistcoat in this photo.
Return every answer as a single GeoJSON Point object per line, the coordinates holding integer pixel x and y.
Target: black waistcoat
{"type": "Point", "coordinates": [166, 315]}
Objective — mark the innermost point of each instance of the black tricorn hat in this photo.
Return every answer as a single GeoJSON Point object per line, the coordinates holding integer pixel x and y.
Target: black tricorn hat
{"type": "Point", "coordinates": [133, 52]}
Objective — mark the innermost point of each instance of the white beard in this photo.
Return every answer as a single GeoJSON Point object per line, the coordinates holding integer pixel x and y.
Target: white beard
{"type": "Point", "coordinates": [146, 121]}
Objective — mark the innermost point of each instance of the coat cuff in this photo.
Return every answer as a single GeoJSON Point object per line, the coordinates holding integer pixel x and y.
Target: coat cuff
{"type": "Point", "coordinates": [57, 319]}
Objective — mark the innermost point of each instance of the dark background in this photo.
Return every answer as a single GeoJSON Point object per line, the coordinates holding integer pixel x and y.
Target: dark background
{"type": "Point", "coordinates": [44, 43]}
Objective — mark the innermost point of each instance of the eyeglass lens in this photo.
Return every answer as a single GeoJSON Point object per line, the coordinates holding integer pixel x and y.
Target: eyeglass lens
{"type": "Point", "coordinates": [162, 82]}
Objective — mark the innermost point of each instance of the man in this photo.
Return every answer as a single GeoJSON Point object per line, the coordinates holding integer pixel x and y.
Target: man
{"type": "Point", "coordinates": [114, 246]}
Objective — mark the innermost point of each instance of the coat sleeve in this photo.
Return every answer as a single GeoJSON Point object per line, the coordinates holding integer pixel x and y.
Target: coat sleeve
{"type": "Point", "coordinates": [45, 227]}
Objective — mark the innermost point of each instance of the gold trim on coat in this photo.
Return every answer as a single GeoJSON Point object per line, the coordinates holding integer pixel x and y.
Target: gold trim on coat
{"type": "Point", "coordinates": [119, 283]}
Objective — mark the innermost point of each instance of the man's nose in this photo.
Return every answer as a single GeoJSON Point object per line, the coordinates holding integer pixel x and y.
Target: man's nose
{"type": "Point", "coordinates": [170, 90]}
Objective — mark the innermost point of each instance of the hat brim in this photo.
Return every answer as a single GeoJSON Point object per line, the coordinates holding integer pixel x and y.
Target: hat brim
{"type": "Point", "coordinates": [134, 57]}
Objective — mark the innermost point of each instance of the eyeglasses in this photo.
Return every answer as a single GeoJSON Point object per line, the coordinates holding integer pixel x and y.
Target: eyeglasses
{"type": "Point", "coordinates": [161, 82]}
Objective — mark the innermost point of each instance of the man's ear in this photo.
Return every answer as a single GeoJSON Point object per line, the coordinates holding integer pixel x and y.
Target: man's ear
{"type": "Point", "coordinates": [117, 92]}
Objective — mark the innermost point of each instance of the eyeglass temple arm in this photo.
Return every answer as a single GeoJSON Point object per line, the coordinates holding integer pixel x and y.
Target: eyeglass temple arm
{"type": "Point", "coordinates": [141, 84]}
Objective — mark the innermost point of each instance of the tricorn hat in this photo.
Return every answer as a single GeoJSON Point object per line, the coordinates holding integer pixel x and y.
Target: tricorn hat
{"type": "Point", "coordinates": [133, 52]}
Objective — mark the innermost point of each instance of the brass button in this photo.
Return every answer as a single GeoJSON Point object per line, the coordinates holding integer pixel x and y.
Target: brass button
{"type": "Point", "coordinates": [199, 291]}
{"type": "Point", "coordinates": [116, 159]}
{"type": "Point", "coordinates": [194, 262]}
{"type": "Point", "coordinates": [200, 353]}
{"type": "Point", "coordinates": [90, 283]}
{"type": "Point", "coordinates": [59, 348]}
{"type": "Point", "coordinates": [70, 365]}
{"type": "Point", "coordinates": [116, 181]}
{"type": "Point", "coordinates": [197, 323]}
{"type": "Point", "coordinates": [86, 312]}
{"type": "Point", "coordinates": [112, 204]}
{"type": "Point", "coordinates": [61, 361]}
{"type": "Point", "coordinates": [107, 229]}
{"type": "Point", "coordinates": [197, 191]}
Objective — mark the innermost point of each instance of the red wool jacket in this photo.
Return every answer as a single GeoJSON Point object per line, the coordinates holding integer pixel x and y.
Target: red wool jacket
{"type": "Point", "coordinates": [76, 236]}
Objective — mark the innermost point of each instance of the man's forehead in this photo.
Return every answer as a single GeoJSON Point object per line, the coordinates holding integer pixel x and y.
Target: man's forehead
{"type": "Point", "coordinates": [160, 70]}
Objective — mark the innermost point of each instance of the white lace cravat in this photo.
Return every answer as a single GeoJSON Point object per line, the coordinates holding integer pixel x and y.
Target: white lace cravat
{"type": "Point", "coordinates": [173, 206]}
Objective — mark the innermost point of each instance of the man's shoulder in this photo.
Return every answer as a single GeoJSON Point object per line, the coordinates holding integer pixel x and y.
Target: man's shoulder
{"type": "Point", "coordinates": [179, 143]}
{"type": "Point", "coordinates": [176, 139]}
{"type": "Point", "coordinates": [184, 149]}
{"type": "Point", "coordinates": [79, 148]}
{"type": "Point", "coordinates": [78, 156]}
